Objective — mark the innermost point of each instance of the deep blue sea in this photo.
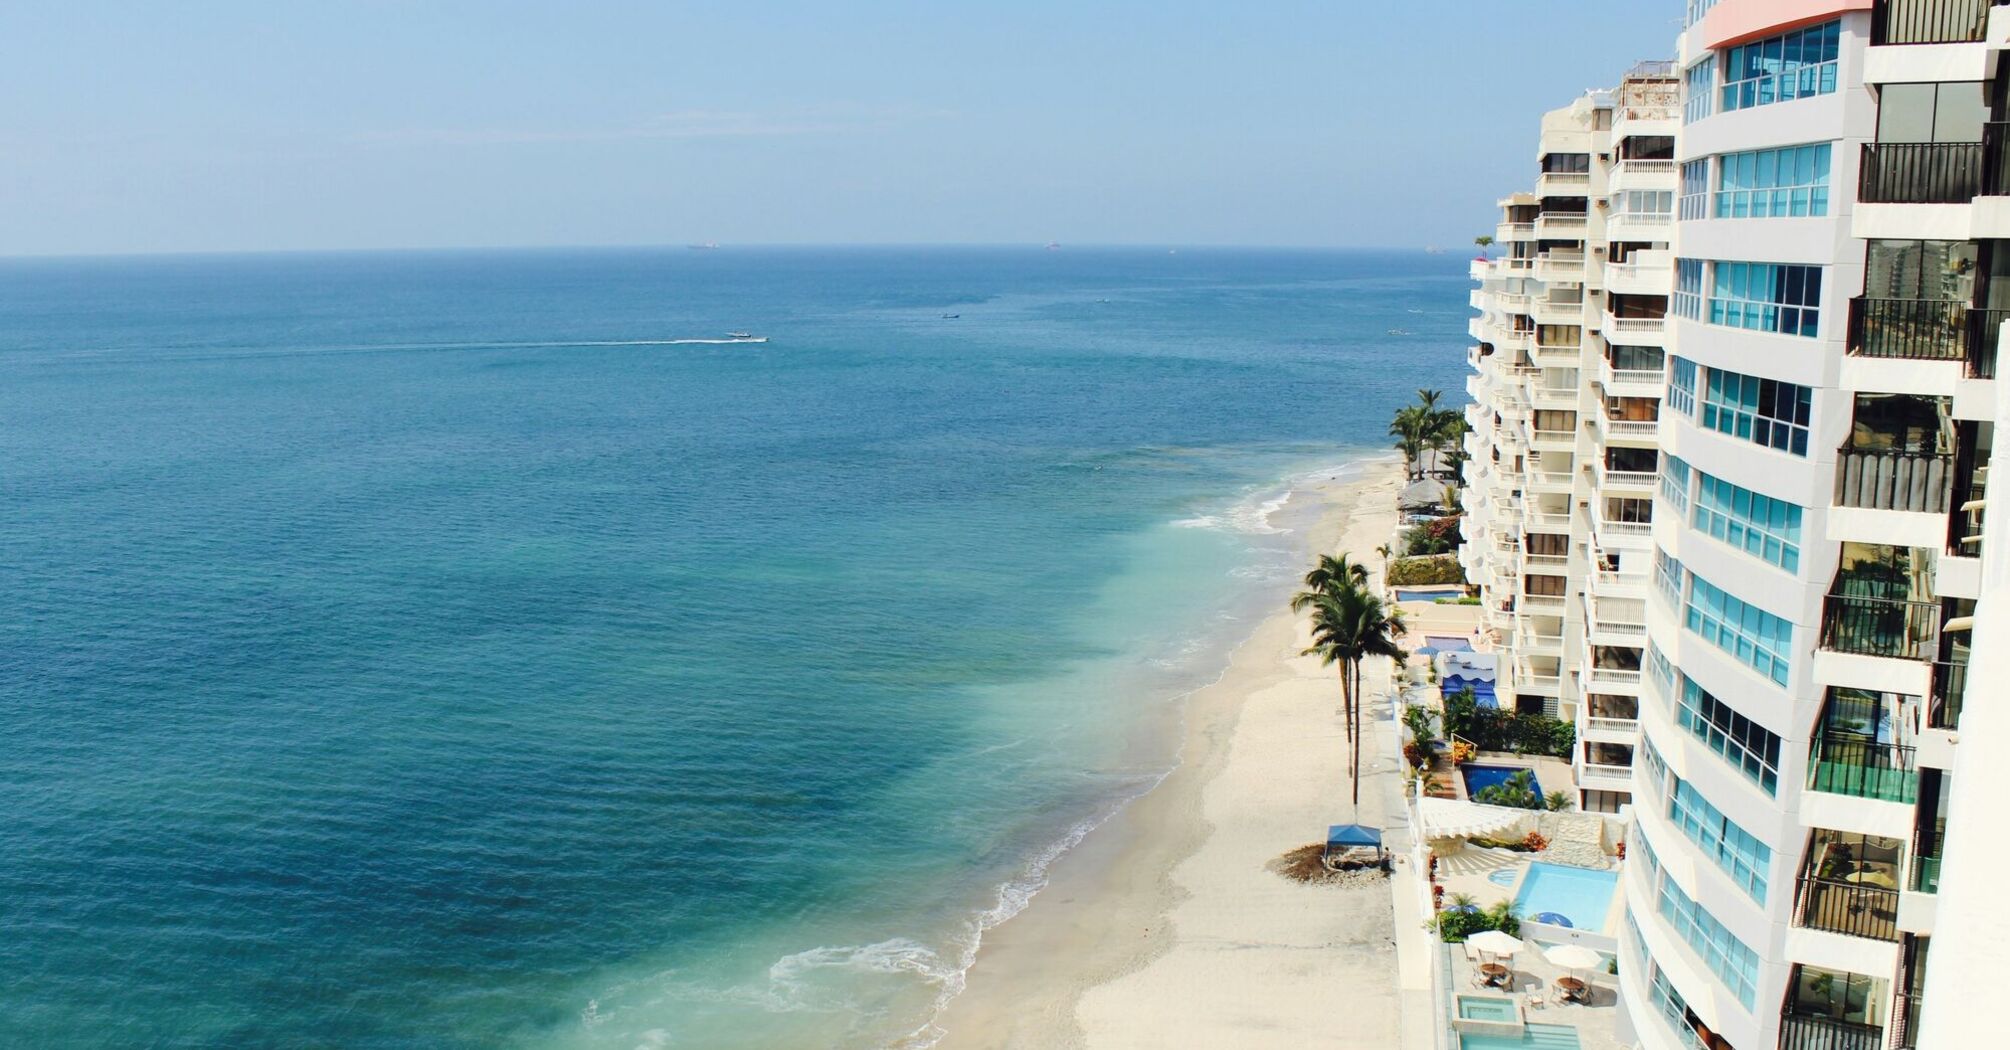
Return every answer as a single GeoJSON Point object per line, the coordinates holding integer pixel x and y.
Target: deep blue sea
{"type": "Point", "coordinates": [419, 650]}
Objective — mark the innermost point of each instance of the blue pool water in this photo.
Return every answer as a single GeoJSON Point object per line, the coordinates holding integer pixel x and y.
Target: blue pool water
{"type": "Point", "coordinates": [1415, 594]}
{"type": "Point", "coordinates": [1579, 894]}
{"type": "Point", "coordinates": [1486, 1008]}
{"type": "Point", "coordinates": [1503, 877]}
{"type": "Point", "coordinates": [1533, 1037]}
{"type": "Point", "coordinates": [1480, 776]}
{"type": "Point", "coordinates": [420, 650]}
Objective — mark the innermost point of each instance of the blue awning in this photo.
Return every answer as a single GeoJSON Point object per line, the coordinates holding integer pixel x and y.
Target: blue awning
{"type": "Point", "coordinates": [1353, 835]}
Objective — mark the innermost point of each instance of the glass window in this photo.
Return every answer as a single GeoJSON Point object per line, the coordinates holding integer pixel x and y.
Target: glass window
{"type": "Point", "coordinates": [1668, 577]}
{"type": "Point", "coordinates": [1773, 183]}
{"type": "Point", "coordinates": [1938, 271]}
{"type": "Point", "coordinates": [1733, 849]}
{"type": "Point", "coordinates": [1682, 387]}
{"type": "Point", "coordinates": [1635, 358]}
{"type": "Point", "coordinates": [1759, 525]}
{"type": "Point", "coordinates": [1953, 112]}
{"type": "Point", "coordinates": [1736, 965]}
{"type": "Point", "coordinates": [1748, 746]}
{"type": "Point", "coordinates": [1792, 65]}
{"type": "Point", "coordinates": [1675, 483]}
{"type": "Point", "coordinates": [1763, 411]}
{"type": "Point", "coordinates": [1688, 298]}
{"type": "Point", "coordinates": [1766, 297]}
{"type": "Point", "coordinates": [1699, 88]}
{"type": "Point", "coordinates": [1758, 639]}
{"type": "Point", "coordinates": [1695, 188]}
{"type": "Point", "coordinates": [1837, 995]}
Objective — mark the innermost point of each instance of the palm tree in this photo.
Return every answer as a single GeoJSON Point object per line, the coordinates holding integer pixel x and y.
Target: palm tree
{"type": "Point", "coordinates": [1331, 572]}
{"type": "Point", "coordinates": [1350, 624]}
{"type": "Point", "coordinates": [1412, 428]}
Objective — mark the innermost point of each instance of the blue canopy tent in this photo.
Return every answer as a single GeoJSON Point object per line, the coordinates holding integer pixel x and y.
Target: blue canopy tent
{"type": "Point", "coordinates": [1342, 837]}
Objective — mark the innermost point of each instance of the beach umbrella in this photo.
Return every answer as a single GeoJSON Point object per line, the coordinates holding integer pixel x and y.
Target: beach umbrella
{"type": "Point", "coordinates": [1573, 957]}
{"type": "Point", "coordinates": [1495, 942]}
{"type": "Point", "coordinates": [1553, 918]}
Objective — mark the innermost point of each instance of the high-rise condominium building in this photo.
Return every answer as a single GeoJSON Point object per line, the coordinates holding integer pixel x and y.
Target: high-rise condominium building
{"type": "Point", "coordinates": [1727, 510]}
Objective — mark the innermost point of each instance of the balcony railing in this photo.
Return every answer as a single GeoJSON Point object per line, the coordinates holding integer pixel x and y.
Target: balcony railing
{"type": "Point", "coordinates": [1612, 725]}
{"type": "Point", "coordinates": [1857, 908]}
{"type": "Point", "coordinates": [1929, 21]}
{"type": "Point", "coordinates": [1926, 874]}
{"type": "Point", "coordinates": [1920, 172]}
{"type": "Point", "coordinates": [1799, 1032]}
{"type": "Point", "coordinates": [1950, 682]}
{"type": "Point", "coordinates": [1894, 479]}
{"type": "Point", "coordinates": [1606, 774]}
{"type": "Point", "coordinates": [1860, 768]}
{"type": "Point", "coordinates": [1985, 328]}
{"type": "Point", "coordinates": [1912, 329]}
{"type": "Point", "coordinates": [1880, 626]}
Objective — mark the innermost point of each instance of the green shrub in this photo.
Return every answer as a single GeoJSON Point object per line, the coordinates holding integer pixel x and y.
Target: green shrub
{"type": "Point", "coordinates": [1441, 568]}
{"type": "Point", "coordinates": [1492, 729]}
{"type": "Point", "coordinates": [1456, 923]}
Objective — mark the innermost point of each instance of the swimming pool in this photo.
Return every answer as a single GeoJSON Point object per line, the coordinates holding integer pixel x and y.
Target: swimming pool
{"type": "Point", "coordinates": [1427, 594]}
{"type": "Point", "coordinates": [1579, 894]}
{"type": "Point", "coordinates": [1478, 777]}
{"type": "Point", "coordinates": [1532, 1037]}
{"type": "Point", "coordinates": [1487, 1008]}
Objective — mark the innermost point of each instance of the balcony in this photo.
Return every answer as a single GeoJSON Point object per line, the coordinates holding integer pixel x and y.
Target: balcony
{"type": "Point", "coordinates": [1514, 231]}
{"type": "Point", "coordinates": [1860, 908]}
{"type": "Point", "coordinates": [1641, 481]}
{"type": "Point", "coordinates": [1635, 174]}
{"type": "Point", "coordinates": [1894, 479]}
{"type": "Point", "coordinates": [1929, 21]}
{"type": "Point", "coordinates": [1844, 764]}
{"type": "Point", "coordinates": [1599, 776]}
{"type": "Point", "coordinates": [1920, 173]}
{"type": "Point", "coordinates": [1561, 265]}
{"type": "Point", "coordinates": [1630, 382]}
{"type": "Point", "coordinates": [1560, 225]}
{"type": "Point", "coordinates": [1950, 684]}
{"type": "Point", "coordinates": [1802, 1032]}
{"type": "Point", "coordinates": [1563, 183]}
{"type": "Point", "coordinates": [1902, 630]}
{"type": "Point", "coordinates": [1909, 329]}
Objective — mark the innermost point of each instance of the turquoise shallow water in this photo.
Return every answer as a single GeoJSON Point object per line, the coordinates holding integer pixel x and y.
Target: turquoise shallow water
{"type": "Point", "coordinates": [397, 659]}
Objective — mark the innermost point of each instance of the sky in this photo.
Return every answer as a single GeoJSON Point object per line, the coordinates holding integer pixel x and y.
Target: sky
{"type": "Point", "coordinates": [216, 126]}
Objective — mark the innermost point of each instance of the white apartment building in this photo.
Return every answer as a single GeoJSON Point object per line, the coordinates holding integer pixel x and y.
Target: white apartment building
{"type": "Point", "coordinates": [1804, 581]}
{"type": "Point", "coordinates": [1567, 389]}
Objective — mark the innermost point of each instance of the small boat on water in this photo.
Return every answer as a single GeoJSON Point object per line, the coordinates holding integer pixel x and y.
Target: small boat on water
{"type": "Point", "coordinates": [951, 317]}
{"type": "Point", "coordinates": [1399, 331]}
{"type": "Point", "coordinates": [745, 337]}
{"type": "Point", "coordinates": [708, 246]}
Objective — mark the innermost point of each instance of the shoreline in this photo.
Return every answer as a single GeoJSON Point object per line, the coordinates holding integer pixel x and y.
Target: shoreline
{"type": "Point", "coordinates": [1162, 926]}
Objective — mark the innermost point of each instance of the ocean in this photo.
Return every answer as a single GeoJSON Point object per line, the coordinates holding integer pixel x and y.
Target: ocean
{"type": "Point", "coordinates": [425, 650]}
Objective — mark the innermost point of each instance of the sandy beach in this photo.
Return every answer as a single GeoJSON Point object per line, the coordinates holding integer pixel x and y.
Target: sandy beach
{"type": "Point", "coordinates": [1164, 928]}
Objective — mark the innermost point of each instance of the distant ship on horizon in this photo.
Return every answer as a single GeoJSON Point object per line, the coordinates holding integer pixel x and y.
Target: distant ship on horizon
{"type": "Point", "coordinates": [708, 246]}
{"type": "Point", "coordinates": [1433, 250]}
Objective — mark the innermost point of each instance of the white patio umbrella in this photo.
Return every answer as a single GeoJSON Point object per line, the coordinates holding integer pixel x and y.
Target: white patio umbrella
{"type": "Point", "coordinates": [1495, 942]}
{"type": "Point", "coordinates": [1573, 957]}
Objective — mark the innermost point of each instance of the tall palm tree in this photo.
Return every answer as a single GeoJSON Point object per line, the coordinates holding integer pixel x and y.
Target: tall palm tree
{"type": "Point", "coordinates": [1333, 571]}
{"type": "Point", "coordinates": [1350, 624]}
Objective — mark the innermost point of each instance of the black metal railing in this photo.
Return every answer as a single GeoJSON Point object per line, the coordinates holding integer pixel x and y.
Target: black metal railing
{"type": "Point", "coordinates": [1985, 328]}
{"type": "Point", "coordinates": [1920, 172]}
{"type": "Point", "coordinates": [1913, 329]}
{"type": "Point", "coordinates": [1950, 683]}
{"type": "Point", "coordinates": [1851, 765]}
{"type": "Point", "coordinates": [1904, 1017]}
{"type": "Point", "coordinates": [1929, 21]}
{"type": "Point", "coordinates": [1894, 479]}
{"type": "Point", "coordinates": [1800, 1032]}
{"type": "Point", "coordinates": [1856, 908]}
{"type": "Point", "coordinates": [1880, 626]}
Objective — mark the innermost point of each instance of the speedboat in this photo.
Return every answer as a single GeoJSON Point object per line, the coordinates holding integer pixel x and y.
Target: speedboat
{"type": "Point", "coordinates": [739, 335]}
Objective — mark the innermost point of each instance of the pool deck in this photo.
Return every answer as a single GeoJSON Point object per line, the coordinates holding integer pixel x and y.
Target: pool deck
{"type": "Point", "coordinates": [1534, 977]}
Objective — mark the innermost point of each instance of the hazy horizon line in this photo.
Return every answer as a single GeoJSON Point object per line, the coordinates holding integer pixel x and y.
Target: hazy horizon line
{"type": "Point", "coordinates": [1170, 246]}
